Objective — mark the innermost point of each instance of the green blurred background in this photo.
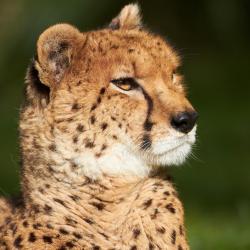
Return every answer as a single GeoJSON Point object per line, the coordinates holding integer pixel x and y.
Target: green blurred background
{"type": "Point", "coordinates": [213, 37]}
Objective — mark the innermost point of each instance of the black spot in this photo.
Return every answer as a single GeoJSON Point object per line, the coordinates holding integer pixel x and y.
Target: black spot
{"type": "Point", "coordinates": [158, 184]}
{"type": "Point", "coordinates": [154, 215]}
{"type": "Point", "coordinates": [170, 208]}
{"type": "Point", "coordinates": [63, 231]}
{"type": "Point", "coordinates": [37, 225]}
{"type": "Point", "coordinates": [73, 166]}
{"type": "Point", "coordinates": [161, 230]}
{"type": "Point", "coordinates": [99, 99]}
{"type": "Point", "coordinates": [150, 246]}
{"type": "Point", "coordinates": [32, 237]}
{"type": "Point", "coordinates": [147, 203]}
{"type": "Point", "coordinates": [80, 128]}
{"type": "Point", "coordinates": [89, 221]}
{"type": "Point", "coordinates": [114, 47]}
{"type": "Point", "coordinates": [173, 237]}
{"type": "Point", "coordinates": [95, 247]}
{"type": "Point", "coordinates": [47, 239]}
{"type": "Point", "coordinates": [94, 106]}
{"type": "Point", "coordinates": [74, 197]}
{"type": "Point", "coordinates": [70, 221]}
{"type": "Point", "coordinates": [113, 118]}
{"type": "Point", "coordinates": [89, 144]}
{"type": "Point", "coordinates": [52, 147]}
{"type": "Point", "coordinates": [115, 137]}
{"type": "Point", "coordinates": [98, 155]}
{"type": "Point", "coordinates": [25, 224]}
{"type": "Point", "coordinates": [51, 170]}
{"type": "Point", "coordinates": [69, 119]}
{"type": "Point", "coordinates": [104, 235]}
{"type": "Point", "coordinates": [180, 247]}
{"type": "Point", "coordinates": [136, 232]}
{"type": "Point", "coordinates": [77, 235]}
{"type": "Point", "coordinates": [92, 119]}
{"type": "Point", "coordinates": [41, 190]}
{"type": "Point", "coordinates": [47, 209]}
{"type": "Point", "coordinates": [102, 91]}
{"type": "Point", "coordinates": [35, 208]}
{"type": "Point", "coordinates": [75, 139]}
{"type": "Point", "coordinates": [49, 226]}
{"type": "Point", "coordinates": [70, 244]}
{"type": "Point", "coordinates": [120, 125]}
{"type": "Point", "coordinates": [181, 230]}
{"type": "Point", "coordinates": [75, 106]}
{"type": "Point", "coordinates": [104, 126]}
{"type": "Point", "coordinates": [134, 247]}
{"type": "Point", "coordinates": [18, 241]}
{"type": "Point", "coordinates": [104, 146]}
{"type": "Point", "coordinates": [166, 193]}
{"type": "Point", "coordinates": [59, 201]}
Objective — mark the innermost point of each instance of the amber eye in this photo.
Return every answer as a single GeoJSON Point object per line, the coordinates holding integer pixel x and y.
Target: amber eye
{"type": "Point", "coordinates": [126, 83]}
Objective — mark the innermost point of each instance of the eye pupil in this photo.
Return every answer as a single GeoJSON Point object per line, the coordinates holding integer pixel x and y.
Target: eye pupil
{"type": "Point", "coordinates": [126, 83]}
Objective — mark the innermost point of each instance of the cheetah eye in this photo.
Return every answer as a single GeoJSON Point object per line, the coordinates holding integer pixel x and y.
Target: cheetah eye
{"type": "Point", "coordinates": [126, 83]}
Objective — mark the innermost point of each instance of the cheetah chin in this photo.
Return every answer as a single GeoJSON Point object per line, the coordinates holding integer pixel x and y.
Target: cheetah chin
{"type": "Point", "coordinates": [172, 150]}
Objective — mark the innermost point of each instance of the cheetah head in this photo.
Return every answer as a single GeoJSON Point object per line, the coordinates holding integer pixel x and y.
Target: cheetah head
{"type": "Point", "coordinates": [106, 101]}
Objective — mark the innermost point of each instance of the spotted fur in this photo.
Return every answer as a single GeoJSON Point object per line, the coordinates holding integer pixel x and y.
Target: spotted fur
{"type": "Point", "coordinates": [91, 150]}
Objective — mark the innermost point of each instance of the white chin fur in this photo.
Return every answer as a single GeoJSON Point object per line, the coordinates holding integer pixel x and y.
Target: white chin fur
{"type": "Point", "coordinates": [120, 160]}
{"type": "Point", "coordinates": [174, 156]}
{"type": "Point", "coordinates": [172, 150]}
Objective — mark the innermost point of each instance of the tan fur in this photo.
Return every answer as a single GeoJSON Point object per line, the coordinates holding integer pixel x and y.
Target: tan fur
{"type": "Point", "coordinates": [71, 111]}
{"type": "Point", "coordinates": [5, 210]}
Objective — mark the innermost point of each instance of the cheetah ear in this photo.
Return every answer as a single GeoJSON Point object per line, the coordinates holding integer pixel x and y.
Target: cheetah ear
{"type": "Point", "coordinates": [129, 18]}
{"type": "Point", "coordinates": [56, 47]}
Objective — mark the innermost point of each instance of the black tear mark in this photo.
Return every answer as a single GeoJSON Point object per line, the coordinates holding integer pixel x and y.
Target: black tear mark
{"type": "Point", "coordinates": [148, 124]}
{"type": "Point", "coordinates": [146, 140]}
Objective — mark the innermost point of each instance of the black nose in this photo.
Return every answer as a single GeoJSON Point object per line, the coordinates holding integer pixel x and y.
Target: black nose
{"type": "Point", "coordinates": [184, 121]}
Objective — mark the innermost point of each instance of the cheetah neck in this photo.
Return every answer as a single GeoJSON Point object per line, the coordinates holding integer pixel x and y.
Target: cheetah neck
{"type": "Point", "coordinates": [109, 203]}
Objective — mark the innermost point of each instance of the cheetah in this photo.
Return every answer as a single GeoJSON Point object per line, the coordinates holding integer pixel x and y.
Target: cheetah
{"type": "Point", "coordinates": [104, 112]}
